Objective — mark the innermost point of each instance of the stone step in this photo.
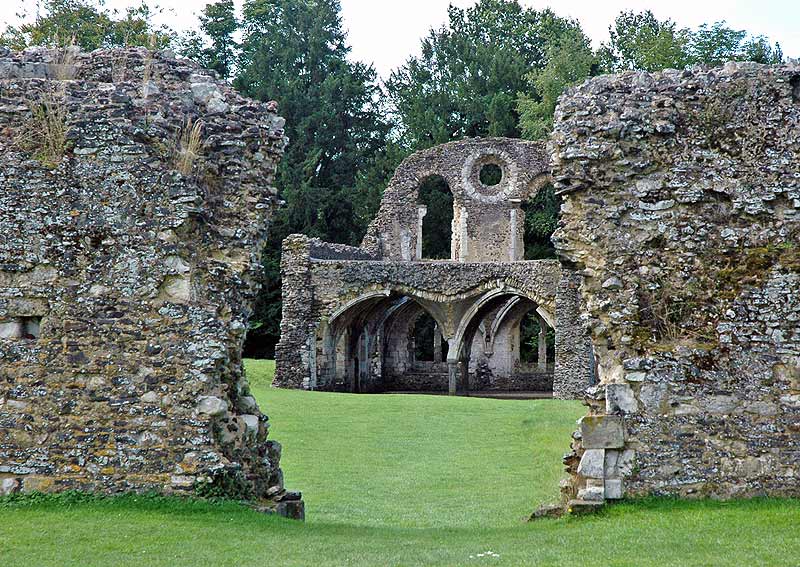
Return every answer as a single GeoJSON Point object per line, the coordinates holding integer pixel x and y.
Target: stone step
{"type": "Point", "coordinates": [581, 507]}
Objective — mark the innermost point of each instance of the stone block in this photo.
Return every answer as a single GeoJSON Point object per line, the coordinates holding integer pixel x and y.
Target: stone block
{"type": "Point", "coordinates": [579, 507]}
{"type": "Point", "coordinates": [619, 464]}
{"type": "Point", "coordinates": [602, 432]}
{"type": "Point", "coordinates": [8, 486]}
{"type": "Point", "coordinates": [613, 488]}
{"type": "Point", "coordinates": [620, 399]}
{"type": "Point", "coordinates": [212, 406]}
{"type": "Point", "coordinates": [592, 463]}
{"type": "Point", "coordinates": [10, 329]}
{"type": "Point", "coordinates": [592, 493]}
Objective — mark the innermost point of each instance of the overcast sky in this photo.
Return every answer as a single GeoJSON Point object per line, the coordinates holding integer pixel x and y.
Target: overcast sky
{"type": "Point", "coordinates": [386, 32]}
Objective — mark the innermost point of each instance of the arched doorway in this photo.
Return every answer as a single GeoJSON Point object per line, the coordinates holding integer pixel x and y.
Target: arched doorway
{"type": "Point", "coordinates": [491, 353]}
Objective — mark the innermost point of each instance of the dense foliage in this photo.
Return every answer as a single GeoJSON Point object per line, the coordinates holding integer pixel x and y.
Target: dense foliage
{"type": "Point", "coordinates": [467, 79]}
{"type": "Point", "coordinates": [87, 24]}
{"type": "Point", "coordinates": [494, 69]}
{"type": "Point", "coordinates": [639, 41]}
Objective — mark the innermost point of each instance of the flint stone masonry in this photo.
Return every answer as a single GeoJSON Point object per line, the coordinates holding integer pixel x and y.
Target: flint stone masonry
{"type": "Point", "coordinates": [682, 214]}
{"type": "Point", "coordinates": [142, 280]}
{"type": "Point", "coordinates": [349, 313]}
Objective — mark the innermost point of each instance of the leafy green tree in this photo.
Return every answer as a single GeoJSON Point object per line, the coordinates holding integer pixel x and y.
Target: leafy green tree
{"type": "Point", "coordinates": [717, 44]}
{"type": "Point", "coordinates": [466, 80]}
{"type": "Point", "coordinates": [214, 45]}
{"type": "Point", "coordinates": [87, 24]}
{"type": "Point", "coordinates": [639, 41]}
{"type": "Point", "coordinates": [569, 61]}
{"type": "Point", "coordinates": [295, 52]}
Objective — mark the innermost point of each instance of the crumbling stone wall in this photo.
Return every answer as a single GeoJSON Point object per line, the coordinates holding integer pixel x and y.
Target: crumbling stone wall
{"type": "Point", "coordinates": [127, 279]}
{"type": "Point", "coordinates": [682, 212]}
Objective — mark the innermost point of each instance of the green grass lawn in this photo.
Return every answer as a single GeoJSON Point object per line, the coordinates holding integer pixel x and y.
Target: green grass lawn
{"type": "Point", "coordinates": [404, 480]}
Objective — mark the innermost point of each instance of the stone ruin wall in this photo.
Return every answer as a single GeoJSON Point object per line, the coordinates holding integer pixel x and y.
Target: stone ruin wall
{"type": "Point", "coordinates": [126, 286]}
{"type": "Point", "coordinates": [488, 222]}
{"type": "Point", "coordinates": [682, 213]}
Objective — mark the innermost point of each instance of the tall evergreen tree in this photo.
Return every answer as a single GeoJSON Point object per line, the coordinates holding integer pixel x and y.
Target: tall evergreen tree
{"type": "Point", "coordinates": [295, 52]}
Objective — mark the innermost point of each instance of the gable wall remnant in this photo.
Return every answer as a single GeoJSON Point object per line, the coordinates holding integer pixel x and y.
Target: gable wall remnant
{"type": "Point", "coordinates": [138, 277]}
{"type": "Point", "coordinates": [488, 222]}
{"type": "Point", "coordinates": [682, 212]}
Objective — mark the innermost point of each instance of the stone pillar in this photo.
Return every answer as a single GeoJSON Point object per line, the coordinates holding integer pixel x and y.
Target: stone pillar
{"type": "Point", "coordinates": [437, 344]}
{"type": "Point", "coordinates": [463, 236]}
{"type": "Point", "coordinates": [516, 249]}
{"type": "Point", "coordinates": [312, 358]}
{"type": "Point", "coordinates": [292, 353]}
{"type": "Point", "coordinates": [464, 372]}
{"type": "Point", "coordinates": [542, 345]}
{"type": "Point", "coordinates": [452, 377]}
{"type": "Point", "coordinates": [572, 371]}
{"type": "Point", "coordinates": [422, 210]}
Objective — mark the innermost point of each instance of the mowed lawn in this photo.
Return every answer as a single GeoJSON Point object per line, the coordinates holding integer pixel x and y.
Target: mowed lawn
{"type": "Point", "coordinates": [404, 480]}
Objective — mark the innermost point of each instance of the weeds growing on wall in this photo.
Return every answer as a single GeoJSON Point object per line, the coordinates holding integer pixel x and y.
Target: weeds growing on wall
{"type": "Point", "coordinates": [677, 312]}
{"type": "Point", "coordinates": [226, 484]}
{"type": "Point", "coordinates": [188, 147]}
{"type": "Point", "coordinates": [45, 131]}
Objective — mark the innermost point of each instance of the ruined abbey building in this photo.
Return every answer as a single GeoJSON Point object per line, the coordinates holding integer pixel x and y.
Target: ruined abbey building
{"type": "Point", "coordinates": [351, 316]}
{"type": "Point", "coordinates": [135, 196]}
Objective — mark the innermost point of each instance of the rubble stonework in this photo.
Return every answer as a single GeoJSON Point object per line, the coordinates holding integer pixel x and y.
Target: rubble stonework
{"type": "Point", "coordinates": [126, 285]}
{"type": "Point", "coordinates": [682, 213]}
{"type": "Point", "coordinates": [349, 312]}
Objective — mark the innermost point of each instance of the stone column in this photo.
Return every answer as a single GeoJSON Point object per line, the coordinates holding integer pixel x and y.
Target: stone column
{"type": "Point", "coordinates": [542, 345]}
{"type": "Point", "coordinates": [464, 371]}
{"type": "Point", "coordinates": [452, 377]}
{"type": "Point", "coordinates": [422, 210]}
{"type": "Point", "coordinates": [463, 236]}
{"type": "Point", "coordinates": [437, 344]}
{"type": "Point", "coordinates": [292, 353]}
{"type": "Point", "coordinates": [515, 251]}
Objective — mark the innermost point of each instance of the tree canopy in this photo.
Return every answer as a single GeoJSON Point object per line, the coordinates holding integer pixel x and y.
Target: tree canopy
{"type": "Point", "coordinates": [89, 25]}
{"type": "Point", "coordinates": [466, 81]}
{"type": "Point", "coordinates": [639, 41]}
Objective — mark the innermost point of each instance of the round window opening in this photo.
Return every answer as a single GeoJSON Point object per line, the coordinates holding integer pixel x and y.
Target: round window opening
{"type": "Point", "coordinates": [491, 174]}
